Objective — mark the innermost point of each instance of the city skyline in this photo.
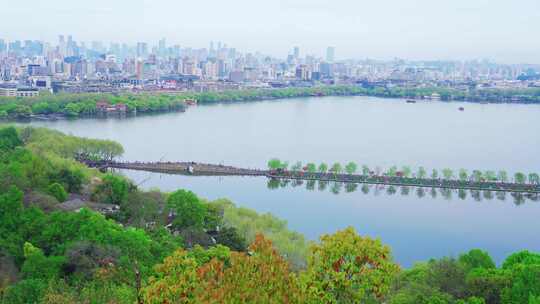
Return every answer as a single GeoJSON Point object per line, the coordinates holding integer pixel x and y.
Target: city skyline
{"type": "Point", "coordinates": [417, 30]}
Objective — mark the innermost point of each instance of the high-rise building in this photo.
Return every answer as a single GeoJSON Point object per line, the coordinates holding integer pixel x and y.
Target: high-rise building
{"type": "Point", "coordinates": [162, 47]}
{"type": "Point", "coordinates": [139, 69]}
{"type": "Point", "coordinates": [330, 54]}
{"type": "Point", "coordinates": [303, 72]}
{"type": "Point", "coordinates": [142, 49]}
{"type": "Point", "coordinates": [296, 52]}
{"type": "Point", "coordinates": [61, 45]}
{"type": "Point", "coordinates": [97, 46]}
{"type": "Point", "coordinates": [326, 70]}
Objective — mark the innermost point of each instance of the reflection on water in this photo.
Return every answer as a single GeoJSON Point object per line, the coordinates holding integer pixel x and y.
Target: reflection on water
{"type": "Point", "coordinates": [420, 192]}
{"type": "Point", "coordinates": [362, 129]}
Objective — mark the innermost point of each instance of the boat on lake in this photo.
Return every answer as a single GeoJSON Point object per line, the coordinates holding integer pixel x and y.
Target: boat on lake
{"type": "Point", "coordinates": [461, 108]}
{"type": "Point", "coordinates": [411, 101]}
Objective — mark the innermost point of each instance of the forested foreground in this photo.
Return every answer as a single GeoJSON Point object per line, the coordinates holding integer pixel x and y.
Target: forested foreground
{"type": "Point", "coordinates": [70, 234]}
{"type": "Point", "coordinates": [75, 105]}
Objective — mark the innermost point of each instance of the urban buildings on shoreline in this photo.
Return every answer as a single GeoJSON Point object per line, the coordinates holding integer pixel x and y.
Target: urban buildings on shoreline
{"type": "Point", "coordinates": [28, 67]}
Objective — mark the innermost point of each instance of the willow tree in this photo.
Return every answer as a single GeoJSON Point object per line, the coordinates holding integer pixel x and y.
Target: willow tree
{"type": "Point", "coordinates": [351, 168]}
{"type": "Point", "coordinates": [534, 178]}
{"type": "Point", "coordinates": [520, 178]}
{"type": "Point", "coordinates": [422, 173]}
{"type": "Point", "coordinates": [406, 171]}
{"type": "Point", "coordinates": [502, 176]}
{"type": "Point", "coordinates": [477, 175]}
{"type": "Point", "coordinates": [323, 168]}
{"type": "Point", "coordinates": [311, 168]}
{"type": "Point", "coordinates": [463, 175]}
{"type": "Point", "coordinates": [447, 173]}
{"type": "Point", "coordinates": [490, 175]}
{"type": "Point", "coordinates": [365, 170]}
{"type": "Point", "coordinates": [336, 168]}
{"type": "Point", "coordinates": [392, 171]}
{"type": "Point", "coordinates": [297, 166]}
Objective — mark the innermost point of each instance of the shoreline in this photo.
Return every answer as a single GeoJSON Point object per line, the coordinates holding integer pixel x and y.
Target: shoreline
{"type": "Point", "coordinates": [131, 114]}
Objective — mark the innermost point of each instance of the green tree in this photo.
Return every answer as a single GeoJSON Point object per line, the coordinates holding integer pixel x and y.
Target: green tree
{"type": "Point", "coordinates": [25, 291]}
{"type": "Point", "coordinates": [448, 275]}
{"type": "Point", "coordinates": [348, 268]}
{"type": "Point", "coordinates": [490, 175]}
{"type": "Point", "coordinates": [9, 139]}
{"type": "Point", "coordinates": [73, 178]}
{"type": "Point", "coordinates": [187, 209]}
{"type": "Point", "coordinates": [477, 176]}
{"type": "Point", "coordinates": [487, 283]}
{"type": "Point", "coordinates": [112, 190]}
{"type": "Point", "coordinates": [463, 175]}
{"type": "Point", "coordinates": [351, 168]}
{"type": "Point", "coordinates": [38, 266]}
{"type": "Point", "coordinates": [365, 170]}
{"type": "Point", "coordinates": [476, 258]}
{"type": "Point", "coordinates": [72, 109]}
{"type": "Point", "coordinates": [502, 176]}
{"type": "Point", "coordinates": [230, 237]}
{"type": "Point", "coordinates": [57, 190]}
{"type": "Point", "coordinates": [22, 111]}
{"type": "Point", "coordinates": [472, 300]}
{"type": "Point", "coordinates": [520, 178]}
{"type": "Point", "coordinates": [419, 293]}
{"type": "Point", "coordinates": [392, 171]}
{"type": "Point", "coordinates": [525, 280]}
{"type": "Point", "coordinates": [274, 164]}
{"type": "Point", "coordinates": [323, 168]}
{"type": "Point", "coordinates": [311, 168]}
{"type": "Point", "coordinates": [336, 168]}
{"type": "Point", "coordinates": [297, 166]}
{"type": "Point", "coordinates": [203, 256]}
{"type": "Point", "coordinates": [422, 173]}
{"type": "Point", "coordinates": [406, 171]}
{"type": "Point", "coordinates": [534, 178]}
{"type": "Point", "coordinates": [522, 257]}
{"type": "Point", "coordinates": [434, 174]}
{"type": "Point", "coordinates": [447, 174]}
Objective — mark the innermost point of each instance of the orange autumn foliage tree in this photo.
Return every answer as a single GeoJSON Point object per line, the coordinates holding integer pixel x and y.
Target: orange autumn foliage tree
{"type": "Point", "coordinates": [342, 268]}
{"type": "Point", "coordinates": [261, 277]}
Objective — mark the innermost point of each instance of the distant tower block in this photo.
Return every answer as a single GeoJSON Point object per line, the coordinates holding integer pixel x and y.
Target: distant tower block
{"type": "Point", "coordinates": [330, 54]}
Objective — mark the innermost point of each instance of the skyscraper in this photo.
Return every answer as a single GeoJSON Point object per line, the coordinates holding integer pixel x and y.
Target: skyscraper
{"type": "Point", "coordinates": [296, 52]}
{"type": "Point", "coordinates": [330, 53]}
{"type": "Point", "coordinates": [162, 47]}
{"type": "Point", "coordinates": [62, 45]}
{"type": "Point", "coordinates": [142, 49]}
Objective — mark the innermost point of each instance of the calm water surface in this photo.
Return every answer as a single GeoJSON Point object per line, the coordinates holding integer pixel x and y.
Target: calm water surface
{"type": "Point", "coordinates": [372, 131]}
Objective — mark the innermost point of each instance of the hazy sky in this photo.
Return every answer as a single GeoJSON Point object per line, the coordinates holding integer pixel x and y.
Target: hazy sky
{"type": "Point", "coordinates": [503, 30]}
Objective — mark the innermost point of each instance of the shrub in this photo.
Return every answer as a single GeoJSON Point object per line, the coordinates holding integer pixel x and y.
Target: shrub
{"type": "Point", "coordinates": [58, 192]}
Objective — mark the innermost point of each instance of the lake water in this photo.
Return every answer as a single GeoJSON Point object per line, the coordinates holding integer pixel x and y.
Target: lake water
{"type": "Point", "coordinates": [416, 223]}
